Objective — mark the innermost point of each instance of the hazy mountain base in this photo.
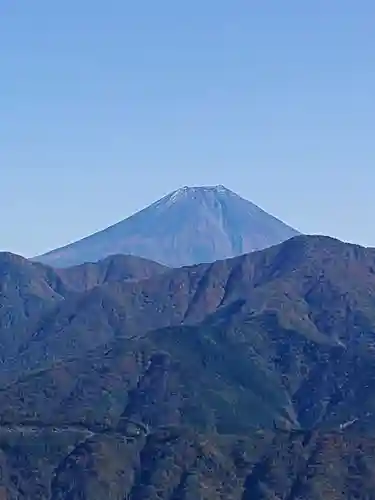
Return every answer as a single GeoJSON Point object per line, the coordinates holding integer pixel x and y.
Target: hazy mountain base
{"type": "Point", "coordinates": [188, 226]}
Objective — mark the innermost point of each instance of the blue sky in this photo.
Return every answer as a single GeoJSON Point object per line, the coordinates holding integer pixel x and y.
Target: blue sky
{"type": "Point", "coordinates": [107, 106]}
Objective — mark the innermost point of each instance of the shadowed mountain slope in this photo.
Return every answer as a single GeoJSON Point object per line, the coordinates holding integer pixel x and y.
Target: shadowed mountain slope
{"type": "Point", "coordinates": [248, 378]}
{"type": "Point", "coordinates": [309, 290]}
{"type": "Point", "coordinates": [28, 290]}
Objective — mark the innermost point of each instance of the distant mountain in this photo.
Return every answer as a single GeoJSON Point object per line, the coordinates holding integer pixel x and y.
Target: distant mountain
{"type": "Point", "coordinates": [189, 226]}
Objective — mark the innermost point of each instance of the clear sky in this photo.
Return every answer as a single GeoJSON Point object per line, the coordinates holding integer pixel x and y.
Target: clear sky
{"type": "Point", "coordinates": [107, 106]}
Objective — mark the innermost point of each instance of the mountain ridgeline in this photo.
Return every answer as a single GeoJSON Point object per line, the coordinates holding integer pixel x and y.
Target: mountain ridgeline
{"type": "Point", "coordinates": [188, 226]}
{"type": "Point", "coordinates": [247, 378]}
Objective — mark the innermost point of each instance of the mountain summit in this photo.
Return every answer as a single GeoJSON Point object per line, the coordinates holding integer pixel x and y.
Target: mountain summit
{"type": "Point", "coordinates": [189, 226]}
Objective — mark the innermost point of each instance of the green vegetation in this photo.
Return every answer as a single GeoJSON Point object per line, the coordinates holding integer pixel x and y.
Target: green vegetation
{"type": "Point", "coordinates": [250, 378]}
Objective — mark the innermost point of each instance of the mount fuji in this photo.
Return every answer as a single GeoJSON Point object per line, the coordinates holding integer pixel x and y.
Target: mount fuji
{"type": "Point", "coordinates": [186, 227]}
